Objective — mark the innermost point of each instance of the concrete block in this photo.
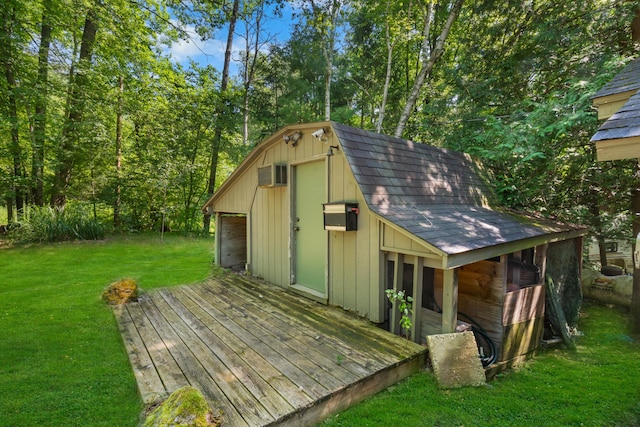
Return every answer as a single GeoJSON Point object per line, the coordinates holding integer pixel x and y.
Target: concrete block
{"type": "Point", "coordinates": [455, 360]}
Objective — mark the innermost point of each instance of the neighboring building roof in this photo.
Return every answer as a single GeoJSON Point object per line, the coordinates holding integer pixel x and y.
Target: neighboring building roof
{"type": "Point", "coordinates": [619, 102]}
{"type": "Point", "coordinates": [625, 123]}
{"type": "Point", "coordinates": [438, 195]}
{"type": "Point", "coordinates": [628, 79]}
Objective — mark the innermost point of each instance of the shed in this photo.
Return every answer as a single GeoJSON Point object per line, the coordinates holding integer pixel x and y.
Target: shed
{"type": "Point", "coordinates": [618, 102]}
{"type": "Point", "coordinates": [340, 214]}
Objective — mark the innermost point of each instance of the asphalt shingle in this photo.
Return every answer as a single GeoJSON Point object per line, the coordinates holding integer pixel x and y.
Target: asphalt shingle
{"type": "Point", "coordinates": [440, 196]}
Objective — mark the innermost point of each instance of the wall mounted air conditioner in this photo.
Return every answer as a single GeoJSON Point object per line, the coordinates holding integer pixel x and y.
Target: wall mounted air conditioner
{"type": "Point", "coordinates": [273, 175]}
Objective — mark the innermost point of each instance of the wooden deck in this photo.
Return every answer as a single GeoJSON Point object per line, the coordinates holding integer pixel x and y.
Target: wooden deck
{"type": "Point", "coordinates": [261, 355]}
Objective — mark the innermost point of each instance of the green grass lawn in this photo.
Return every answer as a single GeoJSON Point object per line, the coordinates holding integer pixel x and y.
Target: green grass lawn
{"type": "Point", "coordinates": [597, 385]}
{"type": "Point", "coordinates": [62, 362]}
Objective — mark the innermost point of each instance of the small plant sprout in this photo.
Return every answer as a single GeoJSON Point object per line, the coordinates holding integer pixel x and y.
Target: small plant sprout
{"type": "Point", "coordinates": [404, 304]}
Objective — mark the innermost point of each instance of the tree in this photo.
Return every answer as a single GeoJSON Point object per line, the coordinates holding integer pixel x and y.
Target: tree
{"type": "Point", "coordinates": [430, 56]}
{"type": "Point", "coordinates": [40, 105]}
{"type": "Point", "coordinates": [324, 16]}
{"type": "Point", "coordinates": [9, 11]}
{"type": "Point", "coordinates": [216, 144]}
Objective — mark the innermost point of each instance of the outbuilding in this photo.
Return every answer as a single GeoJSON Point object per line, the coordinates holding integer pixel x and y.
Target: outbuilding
{"type": "Point", "coordinates": [340, 214]}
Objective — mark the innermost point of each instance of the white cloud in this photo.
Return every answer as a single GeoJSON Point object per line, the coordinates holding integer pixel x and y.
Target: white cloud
{"type": "Point", "coordinates": [192, 47]}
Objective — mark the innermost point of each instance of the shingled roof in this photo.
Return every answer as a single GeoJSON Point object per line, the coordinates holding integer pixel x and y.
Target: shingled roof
{"type": "Point", "coordinates": [627, 80]}
{"type": "Point", "coordinates": [625, 123]}
{"type": "Point", "coordinates": [440, 196]}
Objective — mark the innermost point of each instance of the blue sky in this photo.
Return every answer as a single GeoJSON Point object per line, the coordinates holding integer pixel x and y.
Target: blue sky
{"type": "Point", "coordinates": [211, 51]}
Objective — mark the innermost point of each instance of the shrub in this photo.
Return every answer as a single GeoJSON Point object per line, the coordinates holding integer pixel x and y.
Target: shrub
{"type": "Point", "coordinates": [47, 224]}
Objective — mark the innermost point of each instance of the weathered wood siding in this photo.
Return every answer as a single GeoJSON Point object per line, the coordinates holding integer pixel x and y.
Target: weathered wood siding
{"type": "Point", "coordinates": [480, 293]}
{"type": "Point", "coordinates": [523, 321]}
{"type": "Point", "coordinates": [233, 241]}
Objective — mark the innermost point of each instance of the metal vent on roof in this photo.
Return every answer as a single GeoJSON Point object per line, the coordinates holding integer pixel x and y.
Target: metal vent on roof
{"type": "Point", "coordinates": [272, 175]}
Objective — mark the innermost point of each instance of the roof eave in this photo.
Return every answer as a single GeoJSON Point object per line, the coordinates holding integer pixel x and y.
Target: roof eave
{"type": "Point", "coordinates": [469, 257]}
{"type": "Point", "coordinates": [253, 155]}
{"type": "Point", "coordinates": [618, 149]}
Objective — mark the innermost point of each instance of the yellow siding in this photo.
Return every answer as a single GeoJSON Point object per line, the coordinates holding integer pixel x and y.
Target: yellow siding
{"type": "Point", "coordinates": [354, 257]}
{"type": "Point", "coordinates": [354, 271]}
{"type": "Point", "coordinates": [396, 241]}
{"type": "Point", "coordinates": [238, 199]}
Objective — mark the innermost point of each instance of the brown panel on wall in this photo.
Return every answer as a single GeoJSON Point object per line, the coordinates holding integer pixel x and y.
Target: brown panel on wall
{"type": "Point", "coordinates": [480, 295]}
{"type": "Point", "coordinates": [233, 241]}
{"type": "Point", "coordinates": [522, 338]}
{"type": "Point", "coordinates": [525, 304]}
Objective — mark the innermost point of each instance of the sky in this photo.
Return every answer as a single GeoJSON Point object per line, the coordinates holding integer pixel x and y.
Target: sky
{"type": "Point", "coordinates": [211, 51]}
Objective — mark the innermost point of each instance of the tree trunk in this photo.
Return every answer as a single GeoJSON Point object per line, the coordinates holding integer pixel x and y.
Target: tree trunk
{"type": "Point", "coordinates": [250, 61]}
{"type": "Point", "coordinates": [68, 154]}
{"type": "Point", "coordinates": [429, 61]}
{"type": "Point", "coordinates": [116, 202]}
{"type": "Point", "coordinates": [6, 52]}
{"type": "Point", "coordinates": [39, 130]}
{"type": "Point", "coordinates": [387, 78]}
{"type": "Point", "coordinates": [217, 137]}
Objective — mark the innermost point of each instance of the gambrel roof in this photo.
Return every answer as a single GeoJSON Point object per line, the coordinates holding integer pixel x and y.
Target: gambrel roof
{"type": "Point", "coordinates": [440, 196]}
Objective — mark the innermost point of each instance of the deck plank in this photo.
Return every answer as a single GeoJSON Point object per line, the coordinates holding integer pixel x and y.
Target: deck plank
{"type": "Point", "coordinates": [353, 329]}
{"type": "Point", "coordinates": [307, 347]}
{"type": "Point", "coordinates": [195, 372]}
{"type": "Point", "coordinates": [148, 379]}
{"type": "Point", "coordinates": [165, 365]}
{"type": "Point", "coordinates": [306, 383]}
{"type": "Point", "coordinates": [290, 391]}
{"type": "Point", "coordinates": [262, 392]}
{"type": "Point", "coordinates": [262, 355]}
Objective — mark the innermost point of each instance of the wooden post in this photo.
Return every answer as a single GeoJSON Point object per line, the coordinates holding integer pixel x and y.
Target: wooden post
{"type": "Point", "coordinates": [217, 239]}
{"type": "Point", "coordinates": [450, 301]}
{"type": "Point", "coordinates": [416, 317]}
{"type": "Point", "coordinates": [398, 278]}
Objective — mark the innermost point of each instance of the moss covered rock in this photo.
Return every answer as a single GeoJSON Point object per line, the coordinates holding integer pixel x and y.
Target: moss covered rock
{"type": "Point", "coordinates": [185, 407]}
{"type": "Point", "coordinates": [121, 292]}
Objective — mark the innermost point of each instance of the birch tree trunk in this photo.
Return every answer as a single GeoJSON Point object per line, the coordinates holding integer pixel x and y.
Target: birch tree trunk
{"type": "Point", "coordinates": [430, 58]}
{"type": "Point", "coordinates": [325, 21]}
{"type": "Point", "coordinates": [252, 50]}
{"type": "Point", "coordinates": [387, 78]}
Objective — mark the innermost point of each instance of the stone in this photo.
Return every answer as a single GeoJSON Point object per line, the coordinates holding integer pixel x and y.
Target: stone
{"type": "Point", "coordinates": [121, 292]}
{"type": "Point", "coordinates": [455, 360]}
{"type": "Point", "coordinates": [185, 407]}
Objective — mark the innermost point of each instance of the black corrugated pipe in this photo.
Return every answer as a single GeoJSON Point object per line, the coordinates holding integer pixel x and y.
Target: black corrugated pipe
{"type": "Point", "coordinates": [483, 340]}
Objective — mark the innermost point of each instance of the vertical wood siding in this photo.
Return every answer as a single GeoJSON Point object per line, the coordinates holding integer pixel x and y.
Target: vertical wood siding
{"type": "Point", "coordinates": [354, 257]}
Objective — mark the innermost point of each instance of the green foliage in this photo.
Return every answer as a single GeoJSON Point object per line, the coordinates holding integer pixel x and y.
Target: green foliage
{"type": "Point", "coordinates": [404, 304]}
{"type": "Point", "coordinates": [47, 224]}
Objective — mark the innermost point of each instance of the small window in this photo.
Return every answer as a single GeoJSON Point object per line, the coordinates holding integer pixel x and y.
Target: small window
{"type": "Point", "coordinates": [611, 247]}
